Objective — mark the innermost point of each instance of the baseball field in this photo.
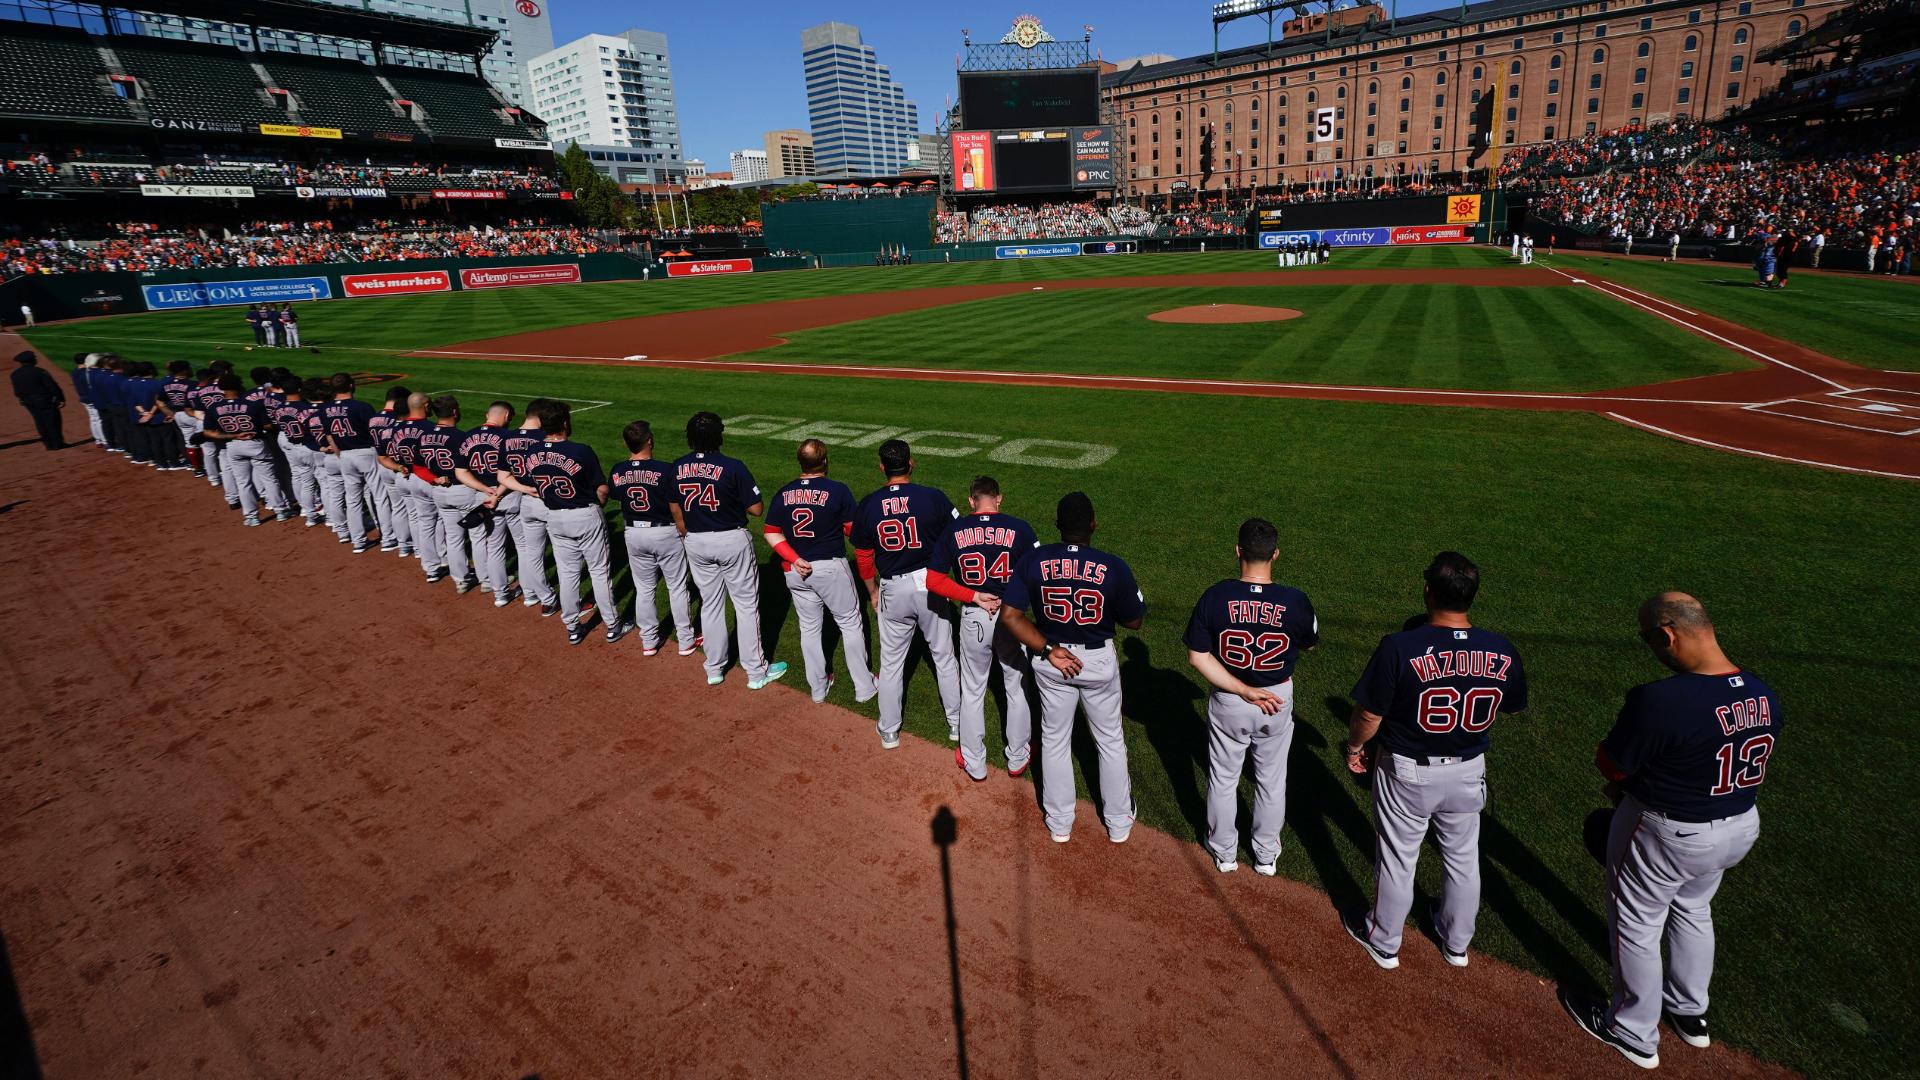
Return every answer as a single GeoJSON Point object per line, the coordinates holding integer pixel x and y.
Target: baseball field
{"type": "Point", "coordinates": [1589, 431]}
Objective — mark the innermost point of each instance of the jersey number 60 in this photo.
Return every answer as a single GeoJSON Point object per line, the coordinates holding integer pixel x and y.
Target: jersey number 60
{"type": "Point", "coordinates": [1442, 708]}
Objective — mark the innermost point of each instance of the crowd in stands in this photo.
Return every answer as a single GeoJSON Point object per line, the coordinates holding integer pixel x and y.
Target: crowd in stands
{"type": "Point", "coordinates": [1816, 89]}
{"type": "Point", "coordinates": [1666, 144]}
{"type": "Point", "coordinates": [1849, 200]}
{"type": "Point", "coordinates": [107, 168]}
{"type": "Point", "coordinates": [1047, 222]}
{"type": "Point", "coordinates": [139, 246]}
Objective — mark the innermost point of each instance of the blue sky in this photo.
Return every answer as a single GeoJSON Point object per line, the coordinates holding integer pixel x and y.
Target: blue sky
{"type": "Point", "coordinates": [736, 65]}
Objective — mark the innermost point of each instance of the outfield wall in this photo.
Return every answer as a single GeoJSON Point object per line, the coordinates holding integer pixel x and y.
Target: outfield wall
{"type": "Point", "coordinates": [845, 226]}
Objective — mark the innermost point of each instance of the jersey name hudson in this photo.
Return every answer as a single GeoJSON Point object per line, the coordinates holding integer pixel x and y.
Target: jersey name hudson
{"type": "Point", "coordinates": [1463, 663]}
{"type": "Point", "coordinates": [982, 535]}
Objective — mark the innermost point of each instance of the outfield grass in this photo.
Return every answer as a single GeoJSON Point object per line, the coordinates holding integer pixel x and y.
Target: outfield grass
{"type": "Point", "coordinates": [1868, 320]}
{"type": "Point", "coordinates": [1574, 521]}
{"type": "Point", "coordinates": [1438, 336]}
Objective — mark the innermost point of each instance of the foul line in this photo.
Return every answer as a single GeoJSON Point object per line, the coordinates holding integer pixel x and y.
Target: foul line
{"type": "Point", "coordinates": [1071, 381]}
{"type": "Point", "coordinates": [591, 403]}
{"type": "Point", "coordinates": [1701, 330]}
{"type": "Point", "coordinates": [1757, 453]}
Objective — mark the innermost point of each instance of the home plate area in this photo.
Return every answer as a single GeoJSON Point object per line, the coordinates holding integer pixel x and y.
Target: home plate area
{"type": "Point", "coordinates": [1876, 409]}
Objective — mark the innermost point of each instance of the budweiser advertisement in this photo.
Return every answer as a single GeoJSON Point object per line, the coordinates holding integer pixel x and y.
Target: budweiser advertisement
{"type": "Point", "coordinates": [414, 281]}
{"type": "Point", "coordinates": [1433, 234]}
{"type": "Point", "coordinates": [710, 267]}
{"type": "Point", "coordinates": [512, 277]}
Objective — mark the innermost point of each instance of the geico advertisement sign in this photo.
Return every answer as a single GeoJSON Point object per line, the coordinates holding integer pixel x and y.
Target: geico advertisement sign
{"type": "Point", "coordinates": [704, 269]}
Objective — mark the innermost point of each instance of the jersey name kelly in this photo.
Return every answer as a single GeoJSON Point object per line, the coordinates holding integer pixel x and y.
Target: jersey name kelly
{"type": "Point", "coordinates": [1475, 663]}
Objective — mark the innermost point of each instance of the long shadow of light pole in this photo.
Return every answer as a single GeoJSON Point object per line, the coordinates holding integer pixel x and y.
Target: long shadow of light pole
{"type": "Point", "coordinates": [945, 831]}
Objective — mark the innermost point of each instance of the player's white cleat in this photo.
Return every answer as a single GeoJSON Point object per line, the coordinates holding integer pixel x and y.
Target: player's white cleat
{"type": "Point", "coordinates": [1266, 869]}
{"type": "Point", "coordinates": [1225, 866]}
{"type": "Point", "coordinates": [889, 742]}
{"type": "Point", "coordinates": [1119, 836]}
{"type": "Point", "coordinates": [1355, 924]}
{"type": "Point", "coordinates": [1454, 959]}
{"type": "Point", "coordinates": [716, 680]}
{"type": "Point", "coordinates": [1061, 838]}
{"type": "Point", "coordinates": [774, 671]}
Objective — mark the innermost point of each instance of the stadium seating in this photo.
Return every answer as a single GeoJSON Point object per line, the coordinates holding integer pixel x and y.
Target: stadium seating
{"type": "Point", "coordinates": [28, 54]}
{"type": "Point", "coordinates": [337, 93]}
{"type": "Point", "coordinates": [459, 105]}
{"type": "Point", "coordinates": [188, 81]}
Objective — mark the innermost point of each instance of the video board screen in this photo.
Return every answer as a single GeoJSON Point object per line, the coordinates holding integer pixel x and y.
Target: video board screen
{"type": "Point", "coordinates": [1029, 99]}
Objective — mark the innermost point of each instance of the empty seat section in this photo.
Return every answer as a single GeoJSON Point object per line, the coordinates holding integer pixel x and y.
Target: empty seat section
{"type": "Point", "coordinates": [336, 93]}
{"type": "Point", "coordinates": [456, 104]}
{"type": "Point", "coordinates": [195, 82]}
{"type": "Point", "coordinates": [53, 71]}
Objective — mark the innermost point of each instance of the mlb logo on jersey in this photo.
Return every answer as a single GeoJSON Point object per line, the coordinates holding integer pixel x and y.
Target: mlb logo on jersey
{"type": "Point", "coordinates": [1459, 635]}
{"type": "Point", "coordinates": [1737, 681]}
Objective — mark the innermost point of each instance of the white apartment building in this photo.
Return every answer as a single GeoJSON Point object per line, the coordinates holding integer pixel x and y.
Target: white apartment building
{"type": "Point", "coordinates": [748, 165]}
{"type": "Point", "coordinates": [614, 96]}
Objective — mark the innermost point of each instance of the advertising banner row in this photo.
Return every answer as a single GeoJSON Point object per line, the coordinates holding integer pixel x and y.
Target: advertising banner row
{"type": "Point", "coordinates": [358, 286]}
{"type": "Point", "coordinates": [1378, 236]}
{"type": "Point", "coordinates": [1055, 251]}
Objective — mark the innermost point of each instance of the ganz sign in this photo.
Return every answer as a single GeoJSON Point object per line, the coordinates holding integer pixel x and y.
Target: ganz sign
{"type": "Point", "coordinates": [710, 268]}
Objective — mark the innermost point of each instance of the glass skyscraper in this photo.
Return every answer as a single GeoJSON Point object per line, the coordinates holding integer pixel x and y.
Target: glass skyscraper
{"type": "Point", "coordinates": [861, 119]}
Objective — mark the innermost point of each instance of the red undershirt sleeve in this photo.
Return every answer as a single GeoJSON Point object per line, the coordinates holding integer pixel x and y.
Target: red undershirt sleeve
{"type": "Point", "coordinates": [1606, 766]}
{"type": "Point", "coordinates": [864, 558]}
{"type": "Point", "coordinates": [941, 585]}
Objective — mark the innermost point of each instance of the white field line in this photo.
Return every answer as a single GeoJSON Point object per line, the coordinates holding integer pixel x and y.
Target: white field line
{"type": "Point", "coordinates": [1766, 411]}
{"type": "Point", "coordinates": [1757, 453]}
{"type": "Point", "coordinates": [1701, 330]}
{"type": "Point", "coordinates": [1116, 380]}
{"type": "Point", "coordinates": [590, 403]}
{"type": "Point", "coordinates": [1914, 394]}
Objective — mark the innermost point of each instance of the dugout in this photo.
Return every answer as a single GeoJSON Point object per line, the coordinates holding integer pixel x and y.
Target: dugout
{"type": "Point", "coordinates": [837, 226]}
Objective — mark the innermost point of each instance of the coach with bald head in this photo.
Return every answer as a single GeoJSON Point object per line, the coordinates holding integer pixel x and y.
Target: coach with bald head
{"type": "Point", "coordinates": [1688, 754]}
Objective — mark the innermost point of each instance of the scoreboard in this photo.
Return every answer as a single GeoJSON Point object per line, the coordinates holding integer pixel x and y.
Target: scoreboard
{"type": "Point", "coordinates": [1031, 131]}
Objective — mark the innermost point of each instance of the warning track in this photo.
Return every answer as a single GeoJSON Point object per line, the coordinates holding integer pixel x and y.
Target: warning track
{"type": "Point", "coordinates": [1800, 406]}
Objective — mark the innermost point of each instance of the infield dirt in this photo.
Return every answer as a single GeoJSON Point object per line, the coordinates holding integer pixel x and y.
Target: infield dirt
{"type": "Point", "coordinates": [272, 809]}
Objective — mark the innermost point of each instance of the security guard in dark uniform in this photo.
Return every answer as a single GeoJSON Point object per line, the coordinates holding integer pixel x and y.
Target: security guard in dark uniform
{"type": "Point", "coordinates": [41, 396]}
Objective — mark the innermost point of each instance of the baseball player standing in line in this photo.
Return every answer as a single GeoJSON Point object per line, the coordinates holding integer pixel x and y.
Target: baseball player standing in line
{"type": "Point", "coordinates": [476, 465]}
{"type": "Point", "coordinates": [526, 517]}
{"type": "Point", "coordinates": [1078, 594]}
{"type": "Point", "coordinates": [326, 467]}
{"type": "Point", "coordinates": [349, 438]}
{"type": "Point", "coordinates": [974, 558]}
{"type": "Point", "coordinates": [643, 488]}
{"type": "Point", "coordinates": [176, 390]}
{"type": "Point", "coordinates": [290, 416]}
{"type": "Point", "coordinates": [716, 495]}
{"type": "Point", "coordinates": [415, 491]}
{"type": "Point", "coordinates": [83, 391]}
{"type": "Point", "coordinates": [389, 505]}
{"type": "Point", "coordinates": [893, 533]}
{"type": "Point", "coordinates": [807, 526]}
{"type": "Point", "coordinates": [1688, 755]}
{"type": "Point", "coordinates": [566, 477]}
{"type": "Point", "coordinates": [240, 425]}
{"type": "Point", "coordinates": [203, 399]}
{"type": "Point", "coordinates": [1431, 693]}
{"type": "Point", "coordinates": [1244, 637]}
{"type": "Point", "coordinates": [435, 454]}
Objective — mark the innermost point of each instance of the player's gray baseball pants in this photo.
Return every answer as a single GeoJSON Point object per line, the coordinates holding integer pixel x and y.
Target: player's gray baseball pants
{"type": "Point", "coordinates": [527, 524]}
{"type": "Point", "coordinates": [1662, 875]}
{"type": "Point", "coordinates": [416, 495]}
{"type": "Point", "coordinates": [982, 640]}
{"type": "Point", "coordinates": [389, 508]}
{"type": "Point", "coordinates": [100, 433]}
{"type": "Point", "coordinates": [724, 569]}
{"type": "Point", "coordinates": [333, 492]}
{"type": "Point", "coordinates": [580, 540]}
{"type": "Point", "coordinates": [450, 504]}
{"type": "Point", "coordinates": [1097, 687]}
{"type": "Point", "coordinates": [251, 469]}
{"type": "Point", "coordinates": [217, 467]}
{"type": "Point", "coordinates": [300, 467]}
{"type": "Point", "coordinates": [656, 552]}
{"type": "Point", "coordinates": [830, 591]}
{"type": "Point", "coordinates": [357, 471]}
{"type": "Point", "coordinates": [189, 425]}
{"type": "Point", "coordinates": [1234, 729]}
{"type": "Point", "coordinates": [1408, 796]}
{"type": "Point", "coordinates": [906, 608]}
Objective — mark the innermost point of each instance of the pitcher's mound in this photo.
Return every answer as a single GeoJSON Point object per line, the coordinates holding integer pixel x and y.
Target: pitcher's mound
{"type": "Point", "coordinates": [1224, 313]}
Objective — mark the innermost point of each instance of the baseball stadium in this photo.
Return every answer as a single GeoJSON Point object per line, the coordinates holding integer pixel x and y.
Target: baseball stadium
{"type": "Point", "coordinates": [1034, 613]}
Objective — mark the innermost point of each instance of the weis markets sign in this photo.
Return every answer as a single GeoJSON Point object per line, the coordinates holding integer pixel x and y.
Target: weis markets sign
{"type": "Point", "coordinates": [710, 268]}
{"type": "Point", "coordinates": [513, 277]}
{"type": "Point", "coordinates": [341, 192]}
{"type": "Point", "coordinates": [354, 286]}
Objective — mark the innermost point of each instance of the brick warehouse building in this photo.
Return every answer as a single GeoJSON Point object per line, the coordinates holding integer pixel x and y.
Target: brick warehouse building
{"type": "Point", "coordinates": [1406, 94]}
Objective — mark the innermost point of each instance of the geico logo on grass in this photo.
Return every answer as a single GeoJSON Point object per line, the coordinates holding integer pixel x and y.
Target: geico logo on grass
{"type": "Point", "coordinates": [929, 442]}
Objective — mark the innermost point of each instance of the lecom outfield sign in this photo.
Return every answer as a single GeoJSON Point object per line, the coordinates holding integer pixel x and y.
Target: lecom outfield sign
{"type": "Point", "coordinates": [511, 277]}
{"type": "Point", "coordinates": [420, 281]}
{"type": "Point", "coordinates": [710, 267]}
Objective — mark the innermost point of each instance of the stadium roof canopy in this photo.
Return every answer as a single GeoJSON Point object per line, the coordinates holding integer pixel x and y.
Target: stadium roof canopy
{"type": "Point", "coordinates": [310, 17]}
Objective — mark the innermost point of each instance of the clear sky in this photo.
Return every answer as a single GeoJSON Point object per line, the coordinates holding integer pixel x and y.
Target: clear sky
{"type": "Point", "coordinates": [736, 65]}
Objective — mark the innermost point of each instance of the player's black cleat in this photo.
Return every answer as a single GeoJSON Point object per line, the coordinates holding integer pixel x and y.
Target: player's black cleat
{"type": "Point", "coordinates": [577, 633]}
{"type": "Point", "coordinates": [615, 633]}
{"type": "Point", "coordinates": [1591, 1015]}
{"type": "Point", "coordinates": [1357, 926]}
{"type": "Point", "coordinates": [437, 574]}
{"type": "Point", "coordinates": [1691, 1029]}
{"type": "Point", "coordinates": [549, 609]}
{"type": "Point", "coordinates": [233, 506]}
{"type": "Point", "coordinates": [466, 586]}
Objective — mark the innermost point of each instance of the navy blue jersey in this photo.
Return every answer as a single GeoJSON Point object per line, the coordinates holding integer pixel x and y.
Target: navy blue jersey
{"type": "Point", "coordinates": [813, 513]}
{"type": "Point", "coordinates": [645, 491]}
{"type": "Point", "coordinates": [238, 417]}
{"type": "Point", "coordinates": [146, 395]}
{"type": "Point", "coordinates": [980, 551]}
{"type": "Point", "coordinates": [347, 423]}
{"type": "Point", "coordinates": [1696, 746]}
{"type": "Point", "coordinates": [479, 453]}
{"type": "Point", "coordinates": [515, 445]}
{"type": "Point", "coordinates": [403, 439]}
{"type": "Point", "coordinates": [204, 397]}
{"type": "Point", "coordinates": [316, 435]}
{"type": "Point", "coordinates": [714, 491]}
{"type": "Point", "coordinates": [1076, 593]}
{"type": "Point", "coordinates": [291, 418]}
{"type": "Point", "coordinates": [83, 384]}
{"type": "Point", "coordinates": [438, 448]}
{"type": "Point", "coordinates": [567, 474]}
{"type": "Point", "coordinates": [106, 388]}
{"type": "Point", "coordinates": [1256, 631]}
{"type": "Point", "coordinates": [265, 395]}
{"type": "Point", "coordinates": [175, 390]}
{"type": "Point", "coordinates": [379, 426]}
{"type": "Point", "coordinates": [899, 524]}
{"type": "Point", "coordinates": [1438, 689]}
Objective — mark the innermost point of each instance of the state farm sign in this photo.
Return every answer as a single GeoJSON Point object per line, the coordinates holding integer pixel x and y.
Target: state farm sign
{"type": "Point", "coordinates": [419, 281]}
{"type": "Point", "coordinates": [510, 277]}
{"type": "Point", "coordinates": [710, 267]}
